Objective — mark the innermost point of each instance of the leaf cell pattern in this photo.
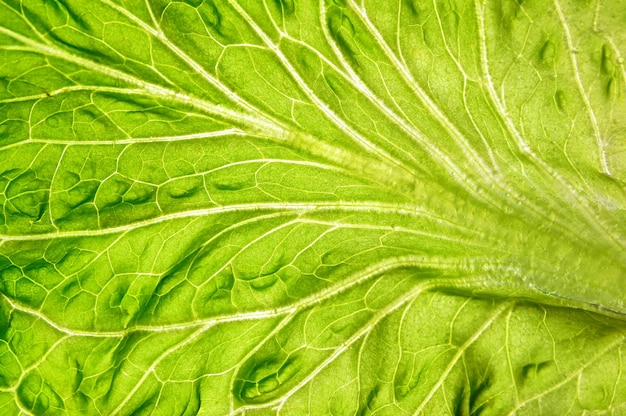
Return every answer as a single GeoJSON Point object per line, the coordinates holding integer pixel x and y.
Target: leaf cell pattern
{"type": "Point", "coordinates": [316, 207]}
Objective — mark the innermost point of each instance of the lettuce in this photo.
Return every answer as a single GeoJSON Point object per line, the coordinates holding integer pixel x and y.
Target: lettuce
{"type": "Point", "coordinates": [328, 207]}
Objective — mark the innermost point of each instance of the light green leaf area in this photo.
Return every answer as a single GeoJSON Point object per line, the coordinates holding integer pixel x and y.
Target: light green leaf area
{"type": "Point", "coordinates": [330, 207]}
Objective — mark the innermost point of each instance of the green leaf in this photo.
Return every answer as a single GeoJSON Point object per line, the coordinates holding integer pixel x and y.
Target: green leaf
{"type": "Point", "coordinates": [329, 207]}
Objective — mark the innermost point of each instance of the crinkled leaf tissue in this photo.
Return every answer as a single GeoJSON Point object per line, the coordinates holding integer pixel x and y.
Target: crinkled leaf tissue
{"type": "Point", "coordinates": [324, 207]}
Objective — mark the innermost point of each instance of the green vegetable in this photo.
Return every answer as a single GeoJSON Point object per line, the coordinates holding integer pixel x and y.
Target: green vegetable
{"type": "Point", "coordinates": [312, 207]}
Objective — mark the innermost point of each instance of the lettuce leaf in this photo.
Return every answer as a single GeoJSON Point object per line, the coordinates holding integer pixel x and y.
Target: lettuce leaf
{"type": "Point", "coordinates": [328, 207]}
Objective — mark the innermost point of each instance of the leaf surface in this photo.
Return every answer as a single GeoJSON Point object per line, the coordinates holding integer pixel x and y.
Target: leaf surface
{"type": "Point", "coordinates": [317, 207]}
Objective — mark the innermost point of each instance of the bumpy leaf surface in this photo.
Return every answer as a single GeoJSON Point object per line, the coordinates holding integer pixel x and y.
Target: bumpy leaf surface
{"type": "Point", "coordinates": [326, 207]}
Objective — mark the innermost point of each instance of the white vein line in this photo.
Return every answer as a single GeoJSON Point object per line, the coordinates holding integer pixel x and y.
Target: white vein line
{"type": "Point", "coordinates": [217, 111]}
{"type": "Point", "coordinates": [454, 58]}
{"type": "Point", "coordinates": [581, 89]}
{"type": "Point", "coordinates": [525, 148]}
{"type": "Point", "coordinates": [596, 15]}
{"type": "Point", "coordinates": [465, 80]}
{"type": "Point", "coordinates": [150, 12]}
{"type": "Point", "coordinates": [467, 183]}
{"type": "Point", "coordinates": [507, 347]}
{"type": "Point", "coordinates": [563, 381]}
{"type": "Point", "coordinates": [34, 365]}
{"type": "Point", "coordinates": [192, 258]}
{"type": "Point", "coordinates": [410, 296]}
{"type": "Point", "coordinates": [460, 351]}
{"type": "Point", "coordinates": [326, 110]}
{"type": "Point", "coordinates": [367, 328]}
{"type": "Point", "coordinates": [262, 127]}
{"type": "Point", "coordinates": [52, 183]}
{"type": "Point", "coordinates": [430, 105]}
{"type": "Point", "coordinates": [243, 248]}
{"type": "Point", "coordinates": [350, 281]}
{"type": "Point", "coordinates": [99, 254]}
{"type": "Point", "coordinates": [262, 164]}
{"type": "Point", "coordinates": [284, 322]}
{"type": "Point", "coordinates": [419, 260]}
{"type": "Point", "coordinates": [620, 59]}
{"type": "Point", "coordinates": [28, 22]}
{"type": "Point", "coordinates": [398, 339]}
{"type": "Point", "coordinates": [394, 229]}
{"type": "Point", "coordinates": [296, 208]}
{"type": "Point", "coordinates": [72, 88]}
{"type": "Point", "coordinates": [424, 286]}
{"type": "Point", "coordinates": [468, 265]}
{"type": "Point", "coordinates": [163, 218]}
{"type": "Point", "coordinates": [389, 113]}
{"type": "Point", "coordinates": [352, 77]}
{"type": "Point", "coordinates": [151, 370]}
{"type": "Point", "coordinates": [33, 312]}
{"type": "Point", "coordinates": [23, 411]}
{"type": "Point", "coordinates": [160, 35]}
{"type": "Point", "coordinates": [237, 317]}
{"type": "Point", "coordinates": [166, 139]}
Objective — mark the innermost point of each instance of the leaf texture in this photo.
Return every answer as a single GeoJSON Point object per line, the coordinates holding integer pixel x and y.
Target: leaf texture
{"type": "Point", "coordinates": [316, 207]}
